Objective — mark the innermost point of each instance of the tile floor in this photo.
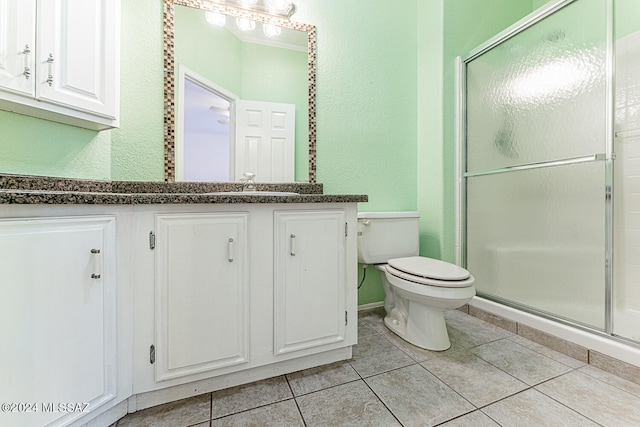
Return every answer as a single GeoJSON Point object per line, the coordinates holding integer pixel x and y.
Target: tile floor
{"type": "Point", "coordinates": [489, 377]}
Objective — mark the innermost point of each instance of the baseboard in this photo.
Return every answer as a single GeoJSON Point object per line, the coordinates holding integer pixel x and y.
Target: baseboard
{"type": "Point", "coordinates": [370, 306]}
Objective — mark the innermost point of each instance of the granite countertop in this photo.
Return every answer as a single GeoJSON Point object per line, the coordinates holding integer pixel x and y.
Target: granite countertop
{"type": "Point", "coordinates": [22, 189]}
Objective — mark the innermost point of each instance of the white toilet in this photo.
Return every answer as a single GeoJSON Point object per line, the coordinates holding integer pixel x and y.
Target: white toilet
{"type": "Point", "coordinates": [418, 289]}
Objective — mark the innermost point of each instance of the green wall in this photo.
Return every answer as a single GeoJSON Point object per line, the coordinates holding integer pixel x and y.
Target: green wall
{"type": "Point", "coordinates": [137, 148]}
{"type": "Point", "coordinates": [38, 147]}
{"type": "Point", "coordinates": [367, 104]}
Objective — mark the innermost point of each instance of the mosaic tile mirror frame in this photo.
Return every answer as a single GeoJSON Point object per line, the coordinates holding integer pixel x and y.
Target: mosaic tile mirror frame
{"type": "Point", "coordinates": [169, 72]}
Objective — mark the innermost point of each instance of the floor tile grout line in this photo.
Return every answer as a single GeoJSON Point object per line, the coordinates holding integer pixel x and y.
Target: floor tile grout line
{"type": "Point", "coordinates": [607, 382]}
{"type": "Point", "coordinates": [304, 421]}
{"type": "Point", "coordinates": [293, 395]}
{"type": "Point", "coordinates": [563, 404]}
{"type": "Point", "coordinates": [583, 373]}
{"type": "Point", "coordinates": [382, 401]}
{"type": "Point", "coordinates": [385, 371]}
{"type": "Point", "coordinates": [542, 354]}
{"type": "Point", "coordinates": [329, 387]}
{"type": "Point", "coordinates": [571, 369]}
{"type": "Point", "coordinates": [460, 416]}
{"type": "Point", "coordinates": [447, 385]}
{"type": "Point", "coordinates": [210, 408]}
{"type": "Point", "coordinates": [583, 364]}
{"type": "Point", "coordinates": [251, 409]}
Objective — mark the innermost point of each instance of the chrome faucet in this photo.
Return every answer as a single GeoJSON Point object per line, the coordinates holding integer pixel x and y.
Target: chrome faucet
{"type": "Point", "coordinates": [249, 184]}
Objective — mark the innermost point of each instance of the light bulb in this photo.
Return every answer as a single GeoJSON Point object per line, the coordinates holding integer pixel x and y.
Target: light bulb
{"type": "Point", "coordinates": [245, 24]}
{"type": "Point", "coordinates": [215, 18]}
{"type": "Point", "coordinates": [279, 5]}
{"type": "Point", "coordinates": [271, 30]}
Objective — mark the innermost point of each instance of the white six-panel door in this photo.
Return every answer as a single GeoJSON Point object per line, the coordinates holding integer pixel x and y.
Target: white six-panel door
{"type": "Point", "coordinates": [265, 140]}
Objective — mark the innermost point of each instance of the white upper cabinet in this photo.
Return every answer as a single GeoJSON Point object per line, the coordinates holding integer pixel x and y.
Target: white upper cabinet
{"type": "Point", "coordinates": [17, 46]}
{"type": "Point", "coordinates": [60, 60]}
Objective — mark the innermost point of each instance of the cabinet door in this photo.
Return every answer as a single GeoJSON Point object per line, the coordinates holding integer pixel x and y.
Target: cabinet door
{"type": "Point", "coordinates": [201, 293]}
{"type": "Point", "coordinates": [17, 45]}
{"type": "Point", "coordinates": [57, 317]}
{"type": "Point", "coordinates": [310, 284]}
{"type": "Point", "coordinates": [77, 54]}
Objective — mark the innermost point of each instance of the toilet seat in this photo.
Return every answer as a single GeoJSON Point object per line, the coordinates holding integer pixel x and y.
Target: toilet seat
{"type": "Point", "coordinates": [429, 271]}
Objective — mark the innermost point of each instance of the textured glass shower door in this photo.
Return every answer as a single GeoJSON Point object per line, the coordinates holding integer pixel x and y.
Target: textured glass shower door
{"type": "Point", "coordinates": [536, 164]}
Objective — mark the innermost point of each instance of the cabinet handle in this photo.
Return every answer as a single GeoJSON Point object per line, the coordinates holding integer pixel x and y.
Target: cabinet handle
{"type": "Point", "coordinates": [97, 263]}
{"type": "Point", "coordinates": [27, 71]}
{"type": "Point", "coordinates": [292, 238]}
{"type": "Point", "coordinates": [50, 62]}
{"type": "Point", "coordinates": [230, 249]}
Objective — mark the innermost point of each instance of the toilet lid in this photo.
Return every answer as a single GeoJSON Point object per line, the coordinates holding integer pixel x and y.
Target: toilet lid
{"type": "Point", "coordinates": [429, 268]}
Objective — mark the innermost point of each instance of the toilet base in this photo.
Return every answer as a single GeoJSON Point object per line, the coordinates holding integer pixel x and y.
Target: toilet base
{"type": "Point", "coordinates": [423, 327]}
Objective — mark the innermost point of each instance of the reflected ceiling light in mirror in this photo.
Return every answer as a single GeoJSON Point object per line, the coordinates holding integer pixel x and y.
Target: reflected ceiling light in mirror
{"type": "Point", "coordinates": [215, 18]}
{"type": "Point", "coordinates": [280, 8]}
{"type": "Point", "coordinates": [245, 24]}
{"type": "Point", "coordinates": [271, 30]}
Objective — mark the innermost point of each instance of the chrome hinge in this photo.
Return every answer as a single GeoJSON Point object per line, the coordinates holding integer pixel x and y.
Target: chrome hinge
{"type": "Point", "coordinates": [346, 319]}
{"type": "Point", "coordinates": [152, 240]}
{"type": "Point", "coordinates": [346, 229]}
{"type": "Point", "coordinates": [152, 354]}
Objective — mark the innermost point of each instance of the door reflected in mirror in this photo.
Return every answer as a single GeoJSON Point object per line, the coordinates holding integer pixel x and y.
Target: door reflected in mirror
{"type": "Point", "coordinates": [204, 143]}
{"type": "Point", "coordinates": [241, 99]}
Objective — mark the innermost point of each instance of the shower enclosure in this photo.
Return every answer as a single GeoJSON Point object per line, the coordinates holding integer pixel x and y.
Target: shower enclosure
{"type": "Point", "coordinates": [549, 167]}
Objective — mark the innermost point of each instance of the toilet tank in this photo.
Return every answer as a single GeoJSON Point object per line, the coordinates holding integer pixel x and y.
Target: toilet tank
{"type": "Point", "coordinates": [386, 235]}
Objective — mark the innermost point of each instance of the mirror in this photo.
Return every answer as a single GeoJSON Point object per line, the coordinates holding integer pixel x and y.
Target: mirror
{"type": "Point", "coordinates": [214, 83]}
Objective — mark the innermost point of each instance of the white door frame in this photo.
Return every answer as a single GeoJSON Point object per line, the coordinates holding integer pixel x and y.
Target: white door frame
{"type": "Point", "coordinates": [185, 73]}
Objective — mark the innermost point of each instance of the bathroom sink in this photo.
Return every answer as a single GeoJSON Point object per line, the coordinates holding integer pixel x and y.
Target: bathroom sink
{"type": "Point", "coordinates": [253, 193]}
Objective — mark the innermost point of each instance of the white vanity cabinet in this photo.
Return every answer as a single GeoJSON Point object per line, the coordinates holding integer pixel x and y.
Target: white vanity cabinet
{"type": "Point", "coordinates": [309, 279]}
{"type": "Point", "coordinates": [238, 293]}
{"type": "Point", "coordinates": [59, 60]}
{"type": "Point", "coordinates": [57, 318]}
{"type": "Point", "coordinates": [201, 294]}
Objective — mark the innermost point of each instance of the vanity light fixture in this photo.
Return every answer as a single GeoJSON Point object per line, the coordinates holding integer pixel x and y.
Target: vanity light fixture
{"type": "Point", "coordinates": [271, 30]}
{"type": "Point", "coordinates": [279, 8]}
{"type": "Point", "coordinates": [245, 24]}
{"type": "Point", "coordinates": [215, 18]}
